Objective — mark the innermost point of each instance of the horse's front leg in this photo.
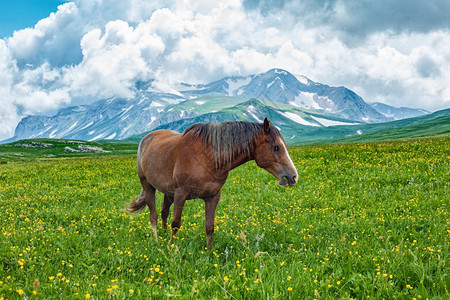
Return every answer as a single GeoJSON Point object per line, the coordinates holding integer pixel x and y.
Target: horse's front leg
{"type": "Point", "coordinates": [178, 203]}
{"type": "Point", "coordinates": [165, 209]}
{"type": "Point", "coordinates": [210, 210]}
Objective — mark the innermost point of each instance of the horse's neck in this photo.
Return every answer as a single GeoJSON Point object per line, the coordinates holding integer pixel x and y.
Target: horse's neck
{"type": "Point", "coordinates": [239, 160]}
{"type": "Point", "coordinates": [241, 153]}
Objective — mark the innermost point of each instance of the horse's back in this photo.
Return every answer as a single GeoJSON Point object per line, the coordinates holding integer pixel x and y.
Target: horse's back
{"type": "Point", "coordinates": [157, 141]}
{"type": "Point", "coordinates": [156, 136]}
{"type": "Point", "coordinates": [157, 156]}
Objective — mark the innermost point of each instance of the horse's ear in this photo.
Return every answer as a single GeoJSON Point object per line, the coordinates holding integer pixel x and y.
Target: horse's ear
{"type": "Point", "coordinates": [266, 125]}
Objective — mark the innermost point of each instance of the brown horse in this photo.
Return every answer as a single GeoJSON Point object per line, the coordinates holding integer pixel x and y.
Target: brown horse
{"type": "Point", "coordinates": [195, 164]}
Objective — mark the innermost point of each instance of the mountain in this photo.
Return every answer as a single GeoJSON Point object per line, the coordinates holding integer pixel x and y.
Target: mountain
{"type": "Point", "coordinates": [281, 86]}
{"type": "Point", "coordinates": [291, 120]}
{"type": "Point", "coordinates": [398, 113]}
{"type": "Point", "coordinates": [302, 108]}
{"type": "Point", "coordinates": [296, 130]}
{"type": "Point", "coordinates": [113, 118]}
{"type": "Point", "coordinates": [120, 118]}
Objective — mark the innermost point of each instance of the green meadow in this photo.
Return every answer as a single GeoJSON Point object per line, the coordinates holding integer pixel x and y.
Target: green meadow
{"type": "Point", "coordinates": [365, 221]}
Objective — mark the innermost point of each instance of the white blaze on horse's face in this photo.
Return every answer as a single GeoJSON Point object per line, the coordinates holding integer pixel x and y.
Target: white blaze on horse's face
{"type": "Point", "coordinates": [288, 175]}
{"type": "Point", "coordinates": [274, 158]}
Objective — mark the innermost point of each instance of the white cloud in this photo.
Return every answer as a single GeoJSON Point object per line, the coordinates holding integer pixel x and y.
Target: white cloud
{"type": "Point", "coordinates": [91, 49]}
{"type": "Point", "coordinates": [24, 92]}
{"type": "Point", "coordinates": [113, 61]}
{"type": "Point", "coordinates": [54, 39]}
{"type": "Point", "coordinates": [8, 113]}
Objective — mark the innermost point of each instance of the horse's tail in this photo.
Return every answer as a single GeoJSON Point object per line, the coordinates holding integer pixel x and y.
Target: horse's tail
{"type": "Point", "coordinates": [136, 205]}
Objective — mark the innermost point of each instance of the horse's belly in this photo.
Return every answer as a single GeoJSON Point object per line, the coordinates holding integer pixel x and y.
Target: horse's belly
{"type": "Point", "coordinates": [161, 183]}
{"type": "Point", "coordinates": [159, 176]}
{"type": "Point", "coordinates": [195, 187]}
{"type": "Point", "coordinates": [194, 191]}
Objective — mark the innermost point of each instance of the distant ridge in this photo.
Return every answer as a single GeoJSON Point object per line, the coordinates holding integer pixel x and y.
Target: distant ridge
{"type": "Point", "coordinates": [398, 113]}
{"type": "Point", "coordinates": [302, 108]}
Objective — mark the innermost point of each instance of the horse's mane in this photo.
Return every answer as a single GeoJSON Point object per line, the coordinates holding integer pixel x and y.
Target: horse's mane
{"type": "Point", "coordinates": [228, 140]}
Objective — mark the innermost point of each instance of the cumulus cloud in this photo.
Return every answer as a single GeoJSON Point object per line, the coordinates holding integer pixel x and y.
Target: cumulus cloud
{"type": "Point", "coordinates": [113, 61]}
{"type": "Point", "coordinates": [388, 51]}
{"type": "Point", "coordinates": [54, 39]}
{"type": "Point", "coordinates": [26, 91]}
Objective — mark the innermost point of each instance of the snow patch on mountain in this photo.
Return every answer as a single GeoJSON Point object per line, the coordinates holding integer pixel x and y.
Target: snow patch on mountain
{"type": "Point", "coordinates": [306, 100]}
{"type": "Point", "coordinates": [156, 104]}
{"type": "Point", "coordinates": [87, 125]}
{"type": "Point", "coordinates": [111, 136]}
{"type": "Point", "coordinates": [151, 121]}
{"type": "Point", "coordinates": [252, 111]}
{"type": "Point", "coordinates": [280, 71]}
{"type": "Point", "coordinates": [302, 79]}
{"type": "Point", "coordinates": [235, 84]}
{"type": "Point", "coordinates": [328, 122]}
{"type": "Point", "coordinates": [70, 128]}
{"type": "Point", "coordinates": [98, 137]}
{"type": "Point", "coordinates": [125, 110]}
{"type": "Point", "coordinates": [53, 134]}
{"type": "Point", "coordinates": [278, 82]}
{"type": "Point", "coordinates": [296, 118]}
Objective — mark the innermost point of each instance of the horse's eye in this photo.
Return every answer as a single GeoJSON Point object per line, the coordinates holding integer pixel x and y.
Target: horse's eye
{"type": "Point", "coordinates": [276, 148]}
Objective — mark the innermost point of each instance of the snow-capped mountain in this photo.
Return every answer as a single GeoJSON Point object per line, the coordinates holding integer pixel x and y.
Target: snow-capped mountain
{"type": "Point", "coordinates": [105, 119]}
{"type": "Point", "coordinates": [398, 113]}
{"type": "Point", "coordinates": [281, 86]}
{"type": "Point", "coordinates": [290, 101]}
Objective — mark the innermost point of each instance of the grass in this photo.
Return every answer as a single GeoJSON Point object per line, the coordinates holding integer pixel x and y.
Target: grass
{"type": "Point", "coordinates": [45, 149]}
{"type": "Point", "coordinates": [365, 220]}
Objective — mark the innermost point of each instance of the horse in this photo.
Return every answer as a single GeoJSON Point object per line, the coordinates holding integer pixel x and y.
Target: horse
{"type": "Point", "coordinates": [196, 163]}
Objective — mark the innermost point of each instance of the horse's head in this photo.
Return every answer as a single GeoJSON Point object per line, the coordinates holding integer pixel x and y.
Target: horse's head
{"type": "Point", "coordinates": [271, 154]}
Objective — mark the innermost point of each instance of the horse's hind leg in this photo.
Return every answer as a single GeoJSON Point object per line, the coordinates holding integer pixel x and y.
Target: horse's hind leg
{"type": "Point", "coordinates": [165, 210]}
{"type": "Point", "coordinates": [148, 192]}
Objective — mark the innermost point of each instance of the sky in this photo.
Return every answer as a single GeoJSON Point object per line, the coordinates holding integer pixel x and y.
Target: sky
{"type": "Point", "coordinates": [19, 14]}
{"type": "Point", "coordinates": [55, 54]}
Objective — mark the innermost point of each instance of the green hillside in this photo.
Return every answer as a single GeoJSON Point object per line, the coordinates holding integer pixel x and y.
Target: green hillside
{"type": "Point", "coordinates": [44, 149]}
{"type": "Point", "coordinates": [439, 127]}
{"type": "Point", "coordinates": [204, 105]}
{"type": "Point", "coordinates": [220, 109]}
{"type": "Point", "coordinates": [433, 125]}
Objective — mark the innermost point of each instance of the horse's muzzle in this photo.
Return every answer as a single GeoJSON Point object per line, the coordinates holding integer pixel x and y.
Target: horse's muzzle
{"type": "Point", "coordinates": [289, 180]}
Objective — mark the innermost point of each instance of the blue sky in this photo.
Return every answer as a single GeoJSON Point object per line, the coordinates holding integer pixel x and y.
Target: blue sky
{"type": "Point", "coordinates": [19, 14]}
{"type": "Point", "coordinates": [390, 51]}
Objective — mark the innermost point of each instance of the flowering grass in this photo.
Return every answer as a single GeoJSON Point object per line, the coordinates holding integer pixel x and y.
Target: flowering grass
{"type": "Point", "coordinates": [365, 220]}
